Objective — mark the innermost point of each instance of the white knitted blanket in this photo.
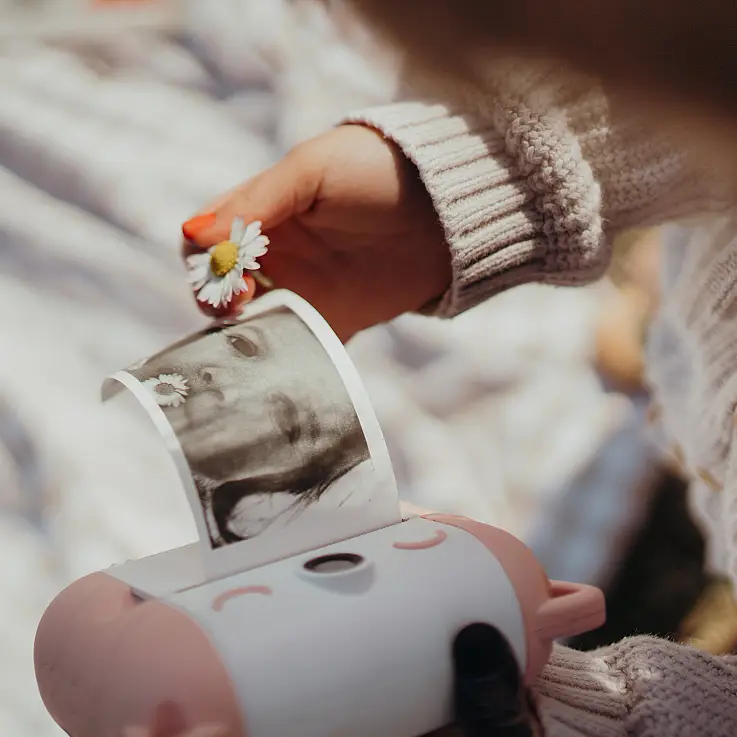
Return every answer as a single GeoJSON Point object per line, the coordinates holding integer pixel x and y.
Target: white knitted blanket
{"type": "Point", "coordinates": [104, 149]}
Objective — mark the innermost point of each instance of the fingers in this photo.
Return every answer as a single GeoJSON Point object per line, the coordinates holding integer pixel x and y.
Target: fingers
{"type": "Point", "coordinates": [273, 197]}
{"type": "Point", "coordinates": [284, 191]}
{"type": "Point", "coordinates": [490, 695]}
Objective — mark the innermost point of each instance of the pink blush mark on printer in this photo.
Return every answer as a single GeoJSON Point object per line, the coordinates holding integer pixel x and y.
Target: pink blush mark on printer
{"type": "Point", "coordinates": [440, 537]}
{"type": "Point", "coordinates": [168, 720]}
{"type": "Point", "coordinates": [222, 599]}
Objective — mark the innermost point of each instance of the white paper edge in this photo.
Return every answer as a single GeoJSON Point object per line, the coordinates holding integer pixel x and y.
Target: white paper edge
{"type": "Point", "coordinates": [162, 574]}
{"type": "Point", "coordinates": [170, 439]}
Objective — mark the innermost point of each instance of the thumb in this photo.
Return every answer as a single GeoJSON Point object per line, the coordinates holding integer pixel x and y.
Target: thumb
{"type": "Point", "coordinates": [287, 189]}
{"type": "Point", "coordinates": [490, 695]}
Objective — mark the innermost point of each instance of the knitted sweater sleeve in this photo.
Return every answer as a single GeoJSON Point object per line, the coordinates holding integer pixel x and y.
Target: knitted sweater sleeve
{"type": "Point", "coordinates": [532, 187]}
{"type": "Point", "coordinates": [640, 687]}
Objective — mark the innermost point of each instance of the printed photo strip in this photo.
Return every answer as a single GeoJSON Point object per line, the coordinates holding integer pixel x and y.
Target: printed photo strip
{"type": "Point", "coordinates": [274, 437]}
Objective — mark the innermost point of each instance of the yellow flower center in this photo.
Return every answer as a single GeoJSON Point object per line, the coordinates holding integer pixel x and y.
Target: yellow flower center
{"type": "Point", "coordinates": [223, 258]}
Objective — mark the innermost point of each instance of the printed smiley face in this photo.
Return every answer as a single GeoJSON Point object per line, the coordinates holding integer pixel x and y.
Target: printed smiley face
{"type": "Point", "coordinates": [257, 638]}
{"type": "Point", "coordinates": [336, 563]}
{"type": "Point", "coordinates": [391, 600]}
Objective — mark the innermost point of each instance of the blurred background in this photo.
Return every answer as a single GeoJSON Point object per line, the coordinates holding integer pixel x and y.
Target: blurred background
{"type": "Point", "coordinates": [528, 412]}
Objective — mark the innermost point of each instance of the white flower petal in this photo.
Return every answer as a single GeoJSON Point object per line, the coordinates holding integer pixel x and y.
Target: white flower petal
{"type": "Point", "coordinates": [175, 380]}
{"type": "Point", "coordinates": [170, 400]}
{"type": "Point", "coordinates": [197, 259]}
{"type": "Point", "coordinates": [211, 293]}
{"type": "Point", "coordinates": [237, 282]}
{"type": "Point", "coordinates": [251, 232]}
{"type": "Point", "coordinates": [169, 390]}
{"type": "Point", "coordinates": [198, 269]}
{"type": "Point", "coordinates": [251, 264]}
{"type": "Point", "coordinates": [257, 253]}
{"type": "Point", "coordinates": [238, 230]}
{"type": "Point", "coordinates": [198, 280]}
{"type": "Point", "coordinates": [226, 293]}
{"type": "Point", "coordinates": [257, 247]}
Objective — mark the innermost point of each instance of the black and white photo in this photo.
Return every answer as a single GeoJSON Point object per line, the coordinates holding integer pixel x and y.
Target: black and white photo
{"type": "Point", "coordinates": [266, 424]}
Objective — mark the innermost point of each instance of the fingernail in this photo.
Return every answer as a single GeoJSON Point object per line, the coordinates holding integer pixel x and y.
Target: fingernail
{"type": "Point", "coordinates": [192, 228]}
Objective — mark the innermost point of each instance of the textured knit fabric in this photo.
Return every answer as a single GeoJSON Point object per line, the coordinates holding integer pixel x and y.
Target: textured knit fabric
{"type": "Point", "coordinates": [530, 181]}
{"type": "Point", "coordinates": [532, 188]}
{"type": "Point", "coordinates": [642, 686]}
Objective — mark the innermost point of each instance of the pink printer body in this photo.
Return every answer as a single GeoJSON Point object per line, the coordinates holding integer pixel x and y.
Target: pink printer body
{"type": "Point", "coordinates": [351, 639]}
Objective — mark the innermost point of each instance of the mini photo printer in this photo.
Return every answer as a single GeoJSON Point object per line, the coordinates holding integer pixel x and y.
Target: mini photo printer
{"type": "Point", "coordinates": [352, 639]}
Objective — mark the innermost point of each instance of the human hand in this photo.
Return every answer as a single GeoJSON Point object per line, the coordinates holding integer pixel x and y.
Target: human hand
{"type": "Point", "coordinates": [352, 229]}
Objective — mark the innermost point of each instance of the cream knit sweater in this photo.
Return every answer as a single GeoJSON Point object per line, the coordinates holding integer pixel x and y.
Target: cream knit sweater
{"type": "Point", "coordinates": [531, 187]}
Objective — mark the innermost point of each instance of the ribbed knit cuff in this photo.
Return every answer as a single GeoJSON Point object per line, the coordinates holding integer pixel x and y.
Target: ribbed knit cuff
{"type": "Point", "coordinates": [506, 222]}
{"type": "Point", "coordinates": [579, 696]}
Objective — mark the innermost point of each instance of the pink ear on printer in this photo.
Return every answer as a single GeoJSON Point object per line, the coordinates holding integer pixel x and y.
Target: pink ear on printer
{"type": "Point", "coordinates": [551, 610]}
{"type": "Point", "coordinates": [147, 650]}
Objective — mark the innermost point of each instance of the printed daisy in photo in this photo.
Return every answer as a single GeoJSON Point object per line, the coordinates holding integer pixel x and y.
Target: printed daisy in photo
{"type": "Point", "coordinates": [217, 275]}
{"type": "Point", "coordinates": [169, 390]}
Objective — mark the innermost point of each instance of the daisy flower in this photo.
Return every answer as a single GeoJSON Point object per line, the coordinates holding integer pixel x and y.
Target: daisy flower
{"type": "Point", "coordinates": [217, 276]}
{"type": "Point", "coordinates": [169, 390]}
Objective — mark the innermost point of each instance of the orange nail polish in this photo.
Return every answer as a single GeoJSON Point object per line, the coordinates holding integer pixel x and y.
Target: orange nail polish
{"type": "Point", "coordinates": [192, 228]}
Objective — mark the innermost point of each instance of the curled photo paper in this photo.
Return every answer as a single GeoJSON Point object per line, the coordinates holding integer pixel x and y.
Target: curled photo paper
{"type": "Point", "coordinates": [272, 434]}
